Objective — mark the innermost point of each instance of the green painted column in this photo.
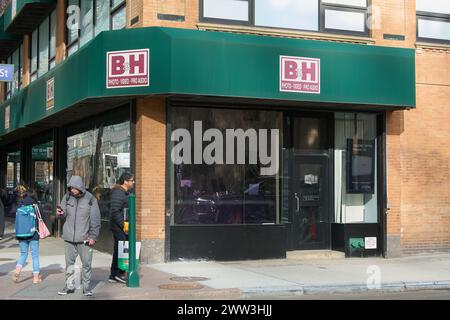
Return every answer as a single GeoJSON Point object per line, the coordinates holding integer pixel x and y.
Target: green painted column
{"type": "Point", "coordinates": [132, 275]}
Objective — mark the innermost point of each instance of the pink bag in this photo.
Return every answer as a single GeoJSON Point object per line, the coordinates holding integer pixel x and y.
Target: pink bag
{"type": "Point", "coordinates": [42, 228]}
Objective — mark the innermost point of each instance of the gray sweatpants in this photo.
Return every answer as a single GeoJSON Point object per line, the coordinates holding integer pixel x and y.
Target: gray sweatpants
{"type": "Point", "coordinates": [72, 250]}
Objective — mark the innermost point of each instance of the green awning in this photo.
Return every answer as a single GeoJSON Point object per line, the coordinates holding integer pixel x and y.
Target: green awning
{"type": "Point", "coordinates": [23, 16]}
{"type": "Point", "coordinates": [8, 42]}
{"type": "Point", "coordinates": [192, 62]}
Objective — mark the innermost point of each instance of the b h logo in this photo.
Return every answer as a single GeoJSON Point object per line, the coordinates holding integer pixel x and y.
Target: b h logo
{"type": "Point", "coordinates": [130, 68]}
{"type": "Point", "coordinates": [299, 74]}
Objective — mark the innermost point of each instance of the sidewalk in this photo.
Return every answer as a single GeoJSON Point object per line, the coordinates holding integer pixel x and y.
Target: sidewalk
{"type": "Point", "coordinates": [197, 280]}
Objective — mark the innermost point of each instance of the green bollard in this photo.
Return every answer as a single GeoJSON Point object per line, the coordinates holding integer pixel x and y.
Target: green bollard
{"type": "Point", "coordinates": [132, 275]}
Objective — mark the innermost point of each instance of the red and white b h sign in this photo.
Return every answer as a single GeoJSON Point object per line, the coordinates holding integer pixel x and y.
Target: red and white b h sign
{"type": "Point", "coordinates": [128, 68]}
{"type": "Point", "coordinates": [298, 74]}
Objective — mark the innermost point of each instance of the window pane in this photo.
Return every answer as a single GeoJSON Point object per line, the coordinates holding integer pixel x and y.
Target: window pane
{"type": "Point", "coordinates": [72, 34]}
{"type": "Point", "coordinates": [116, 3]}
{"type": "Point", "coordinates": [87, 24]}
{"type": "Point", "coordinates": [53, 34]}
{"type": "Point", "coordinates": [21, 65]}
{"type": "Point", "coordinates": [52, 64]}
{"type": "Point", "coordinates": [226, 9]}
{"type": "Point", "coordinates": [355, 207]}
{"type": "Point", "coordinates": [72, 49]}
{"type": "Point", "coordinates": [291, 14]}
{"type": "Point", "coordinates": [15, 62]}
{"type": "Point", "coordinates": [223, 191]}
{"type": "Point", "coordinates": [119, 19]}
{"type": "Point", "coordinates": [354, 3]}
{"type": "Point", "coordinates": [33, 77]}
{"type": "Point", "coordinates": [12, 173]}
{"type": "Point", "coordinates": [43, 47]}
{"type": "Point", "coordinates": [435, 6]}
{"type": "Point", "coordinates": [101, 16]}
{"type": "Point", "coordinates": [344, 20]}
{"type": "Point", "coordinates": [34, 55]}
{"type": "Point", "coordinates": [98, 155]}
{"type": "Point", "coordinates": [434, 29]}
{"type": "Point", "coordinates": [42, 162]}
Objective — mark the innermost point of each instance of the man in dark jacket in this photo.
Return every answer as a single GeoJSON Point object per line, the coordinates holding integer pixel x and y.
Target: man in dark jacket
{"type": "Point", "coordinates": [119, 202]}
{"type": "Point", "coordinates": [80, 232]}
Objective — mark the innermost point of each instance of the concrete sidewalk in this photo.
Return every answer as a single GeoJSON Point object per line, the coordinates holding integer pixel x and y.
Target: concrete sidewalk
{"type": "Point", "coordinates": [298, 274]}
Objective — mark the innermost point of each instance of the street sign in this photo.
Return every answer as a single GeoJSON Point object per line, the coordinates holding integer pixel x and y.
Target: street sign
{"type": "Point", "coordinates": [6, 72]}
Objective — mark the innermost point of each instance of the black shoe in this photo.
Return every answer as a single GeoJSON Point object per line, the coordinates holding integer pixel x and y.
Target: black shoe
{"type": "Point", "coordinates": [87, 293]}
{"type": "Point", "coordinates": [121, 278]}
{"type": "Point", "coordinates": [112, 279]}
{"type": "Point", "coordinates": [65, 291]}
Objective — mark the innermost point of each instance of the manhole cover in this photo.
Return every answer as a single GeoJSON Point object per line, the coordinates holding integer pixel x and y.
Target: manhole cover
{"type": "Point", "coordinates": [6, 259]}
{"type": "Point", "coordinates": [181, 286]}
{"type": "Point", "coordinates": [189, 279]}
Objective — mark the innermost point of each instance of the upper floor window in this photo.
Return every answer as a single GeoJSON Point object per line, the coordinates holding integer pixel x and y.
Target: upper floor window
{"type": "Point", "coordinates": [17, 60]}
{"type": "Point", "coordinates": [433, 20]}
{"type": "Point", "coordinates": [334, 16]}
{"type": "Point", "coordinates": [95, 16]}
{"type": "Point", "coordinates": [43, 47]}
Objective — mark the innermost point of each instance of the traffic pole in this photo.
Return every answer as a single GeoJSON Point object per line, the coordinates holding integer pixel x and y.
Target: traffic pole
{"type": "Point", "coordinates": [132, 275]}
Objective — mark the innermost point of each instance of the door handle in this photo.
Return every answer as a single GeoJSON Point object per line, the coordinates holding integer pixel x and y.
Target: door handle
{"type": "Point", "coordinates": [298, 202]}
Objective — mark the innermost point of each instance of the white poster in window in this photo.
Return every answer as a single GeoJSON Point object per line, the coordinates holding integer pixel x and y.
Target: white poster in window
{"type": "Point", "coordinates": [123, 160]}
{"type": "Point", "coordinates": [370, 242]}
{"type": "Point", "coordinates": [7, 117]}
{"type": "Point", "coordinates": [50, 93]}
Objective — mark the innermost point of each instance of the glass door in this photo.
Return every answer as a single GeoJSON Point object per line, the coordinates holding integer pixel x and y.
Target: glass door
{"type": "Point", "coordinates": [310, 195]}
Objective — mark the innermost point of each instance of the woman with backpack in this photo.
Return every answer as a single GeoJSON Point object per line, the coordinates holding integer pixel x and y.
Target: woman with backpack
{"type": "Point", "coordinates": [26, 197]}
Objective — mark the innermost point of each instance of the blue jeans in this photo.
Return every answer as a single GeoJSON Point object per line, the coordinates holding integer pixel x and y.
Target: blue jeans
{"type": "Point", "coordinates": [25, 246]}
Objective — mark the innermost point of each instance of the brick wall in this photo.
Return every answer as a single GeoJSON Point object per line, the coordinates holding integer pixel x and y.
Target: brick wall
{"type": "Point", "coordinates": [187, 10]}
{"type": "Point", "coordinates": [151, 176]}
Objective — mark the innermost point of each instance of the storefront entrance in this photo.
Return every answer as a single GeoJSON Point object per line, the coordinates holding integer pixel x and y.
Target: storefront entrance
{"type": "Point", "coordinates": [310, 193]}
{"type": "Point", "coordinates": [310, 181]}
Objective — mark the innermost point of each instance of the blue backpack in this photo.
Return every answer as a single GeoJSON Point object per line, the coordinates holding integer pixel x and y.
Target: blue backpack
{"type": "Point", "coordinates": [25, 221]}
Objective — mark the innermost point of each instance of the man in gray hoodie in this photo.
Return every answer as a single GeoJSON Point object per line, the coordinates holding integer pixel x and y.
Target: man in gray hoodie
{"type": "Point", "coordinates": [80, 232]}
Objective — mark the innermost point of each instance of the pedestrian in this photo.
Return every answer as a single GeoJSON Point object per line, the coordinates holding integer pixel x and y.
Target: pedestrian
{"type": "Point", "coordinates": [27, 197]}
{"type": "Point", "coordinates": [80, 232]}
{"type": "Point", "coordinates": [119, 204]}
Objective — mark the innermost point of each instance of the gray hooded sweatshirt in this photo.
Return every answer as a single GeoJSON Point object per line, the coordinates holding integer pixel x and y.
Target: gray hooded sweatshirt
{"type": "Point", "coordinates": [82, 213]}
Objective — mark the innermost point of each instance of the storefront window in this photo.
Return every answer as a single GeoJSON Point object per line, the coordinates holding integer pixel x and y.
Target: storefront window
{"type": "Point", "coordinates": [13, 170]}
{"type": "Point", "coordinates": [232, 189]}
{"type": "Point", "coordinates": [42, 164]}
{"type": "Point", "coordinates": [356, 195]}
{"type": "Point", "coordinates": [100, 155]}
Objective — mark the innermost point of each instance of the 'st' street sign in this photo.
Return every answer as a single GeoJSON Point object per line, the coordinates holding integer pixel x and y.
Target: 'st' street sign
{"type": "Point", "coordinates": [6, 72]}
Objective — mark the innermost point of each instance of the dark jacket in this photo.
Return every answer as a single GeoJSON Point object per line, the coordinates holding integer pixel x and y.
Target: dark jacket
{"type": "Point", "coordinates": [28, 200]}
{"type": "Point", "coordinates": [118, 201]}
{"type": "Point", "coordinates": [82, 214]}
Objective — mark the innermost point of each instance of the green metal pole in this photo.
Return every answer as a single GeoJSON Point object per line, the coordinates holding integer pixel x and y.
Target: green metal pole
{"type": "Point", "coordinates": [132, 275]}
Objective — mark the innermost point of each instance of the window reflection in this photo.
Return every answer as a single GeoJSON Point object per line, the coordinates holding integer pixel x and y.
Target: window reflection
{"type": "Point", "coordinates": [100, 156]}
{"type": "Point", "coordinates": [290, 14]}
{"type": "Point", "coordinates": [224, 193]}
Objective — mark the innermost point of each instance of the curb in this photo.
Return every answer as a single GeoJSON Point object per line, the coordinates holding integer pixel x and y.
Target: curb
{"type": "Point", "coordinates": [349, 288]}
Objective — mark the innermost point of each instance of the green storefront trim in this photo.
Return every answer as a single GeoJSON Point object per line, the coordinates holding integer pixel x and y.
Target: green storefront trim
{"type": "Point", "coordinates": [21, 5]}
{"type": "Point", "coordinates": [220, 64]}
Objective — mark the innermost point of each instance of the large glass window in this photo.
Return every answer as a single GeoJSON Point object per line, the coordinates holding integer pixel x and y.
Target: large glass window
{"type": "Point", "coordinates": [100, 155]}
{"type": "Point", "coordinates": [42, 166]}
{"type": "Point", "coordinates": [43, 47]}
{"type": "Point", "coordinates": [337, 16]}
{"type": "Point", "coordinates": [95, 16]}
{"type": "Point", "coordinates": [228, 185]}
{"type": "Point", "coordinates": [17, 60]}
{"type": "Point", "coordinates": [44, 29]}
{"type": "Point", "coordinates": [433, 20]}
{"type": "Point", "coordinates": [303, 15]}
{"type": "Point", "coordinates": [356, 195]}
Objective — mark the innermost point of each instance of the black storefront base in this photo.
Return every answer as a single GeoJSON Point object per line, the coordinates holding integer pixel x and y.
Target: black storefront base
{"type": "Point", "coordinates": [228, 242]}
{"type": "Point", "coordinates": [345, 238]}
